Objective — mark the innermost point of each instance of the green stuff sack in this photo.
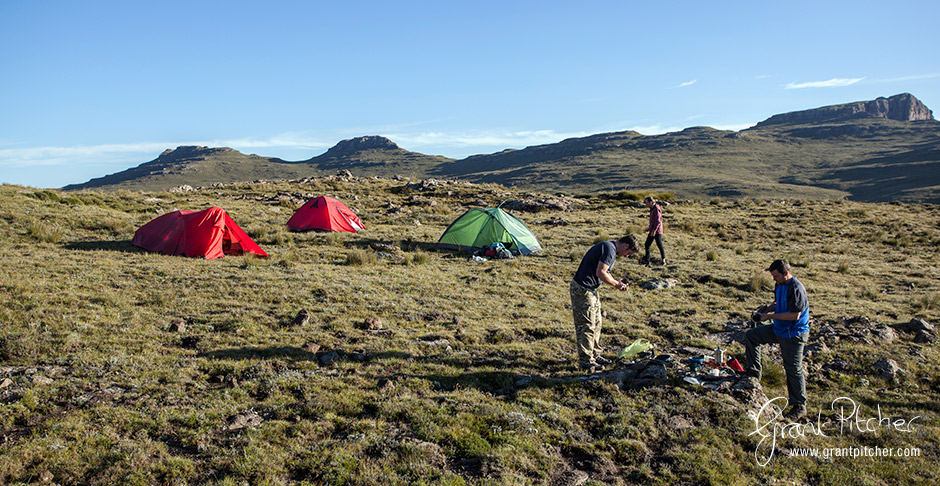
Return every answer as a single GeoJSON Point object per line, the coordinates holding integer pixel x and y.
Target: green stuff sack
{"type": "Point", "coordinates": [635, 348]}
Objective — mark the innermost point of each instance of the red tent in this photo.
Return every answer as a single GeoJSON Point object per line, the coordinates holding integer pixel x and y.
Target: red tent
{"type": "Point", "coordinates": [325, 213]}
{"type": "Point", "coordinates": [210, 233]}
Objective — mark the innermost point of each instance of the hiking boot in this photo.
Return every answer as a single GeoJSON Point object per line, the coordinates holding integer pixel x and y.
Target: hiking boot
{"type": "Point", "coordinates": [796, 412]}
{"type": "Point", "coordinates": [664, 262]}
{"type": "Point", "coordinates": [602, 360]}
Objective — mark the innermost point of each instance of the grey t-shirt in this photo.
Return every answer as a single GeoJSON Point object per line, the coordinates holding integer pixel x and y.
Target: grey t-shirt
{"type": "Point", "coordinates": [586, 276]}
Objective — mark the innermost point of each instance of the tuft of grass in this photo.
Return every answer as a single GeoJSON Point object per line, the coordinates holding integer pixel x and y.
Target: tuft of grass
{"type": "Point", "coordinates": [843, 267]}
{"type": "Point", "coordinates": [360, 257]}
{"type": "Point", "coordinates": [926, 302]}
{"type": "Point", "coordinates": [760, 282]}
{"type": "Point", "coordinates": [45, 232]}
{"type": "Point", "coordinates": [711, 256]}
{"type": "Point", "coordinates": [417, 258]}
{"type": "Point", "coordinates": [336, 239]}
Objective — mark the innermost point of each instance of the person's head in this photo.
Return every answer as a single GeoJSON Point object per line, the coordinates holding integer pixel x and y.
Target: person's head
{"type": "Point", "coordinates": [649, 201]}
{"type": "Point", "coordinates": [627, 245]}
{"type": "Point", "coordinates": [779, 271]}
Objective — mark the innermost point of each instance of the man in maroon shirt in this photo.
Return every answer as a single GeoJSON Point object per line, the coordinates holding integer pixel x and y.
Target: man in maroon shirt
{"type": "Point", "coordinates": [655, 229]}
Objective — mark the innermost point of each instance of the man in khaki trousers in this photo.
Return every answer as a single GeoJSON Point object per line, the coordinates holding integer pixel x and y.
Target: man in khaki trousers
{"type": "Point", "coordinates": [585, 301]}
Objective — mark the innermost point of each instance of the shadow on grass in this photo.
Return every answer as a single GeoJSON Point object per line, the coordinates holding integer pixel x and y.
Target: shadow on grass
{"type": "Point", "coordinates": [111, 245]}
{"type": "Point", "coordinates": [290, 352]}
{"type": "Point", "coordinates": [511, 377]}
{"type": "Point", "coordinates": [407, 245]}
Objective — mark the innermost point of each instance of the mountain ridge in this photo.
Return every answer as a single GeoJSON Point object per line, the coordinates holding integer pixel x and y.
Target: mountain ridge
{"type": "Point", "coordinates": [836, 151]}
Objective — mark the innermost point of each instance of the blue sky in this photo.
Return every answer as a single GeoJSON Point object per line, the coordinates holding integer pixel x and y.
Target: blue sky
{"type": "Point", "coordinates": [95, 87]}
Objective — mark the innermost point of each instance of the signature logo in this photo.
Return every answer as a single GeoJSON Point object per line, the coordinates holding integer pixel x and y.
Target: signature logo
{"type": "Point", "coordinates": [848, 416]}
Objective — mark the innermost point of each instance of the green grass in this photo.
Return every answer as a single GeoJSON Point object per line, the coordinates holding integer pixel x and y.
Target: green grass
{"type": "Point", "coordinates": [104, 392]}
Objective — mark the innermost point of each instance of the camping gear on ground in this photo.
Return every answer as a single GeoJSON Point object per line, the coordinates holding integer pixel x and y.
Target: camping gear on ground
{"type": "Point", "coordinates": [479, 228]}
{"type": "Point", "coordinates": [210, 233]}
{"type": "Point", "coordinates": [635, 348]}
{"type": "Point", "coordinates": [326, 214]}
{"type": "Point", "coordinates": [498, 251]}
{"type": "Point", "coordinates": [734, 364]}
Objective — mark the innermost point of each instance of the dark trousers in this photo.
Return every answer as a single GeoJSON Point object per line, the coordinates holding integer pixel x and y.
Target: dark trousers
{"type": "Point", "coordinates": [659, 242]}
{"type": "Point", "coordinates": [791, 349]}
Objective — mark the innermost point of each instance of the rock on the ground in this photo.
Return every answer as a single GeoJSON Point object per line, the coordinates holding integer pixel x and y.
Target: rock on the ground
{"type": "Point", "coordinates": [302, 318]}
{"type": "Point", "coordinates": [660, 283]}
{"type": "Point", "coordinates": [888, 368]}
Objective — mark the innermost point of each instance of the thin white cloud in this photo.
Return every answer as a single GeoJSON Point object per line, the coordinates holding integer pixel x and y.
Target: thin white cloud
{"type": "Point", "coordinates": [460, 141]}
{"type": "Point", "coordinates": [687, 83]}
{"type": "Point", "coordinates": [832, 83]}
{"type": "Point", "coordinates": [916, 77]}
{"type": "Point", "coordinates": [106, 154]}
{"type": "Point", "coordinates": [762, 76]}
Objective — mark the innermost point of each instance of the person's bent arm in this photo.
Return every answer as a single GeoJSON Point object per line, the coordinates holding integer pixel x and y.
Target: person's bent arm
{"type": "Point", "coordinates": [605, 276]}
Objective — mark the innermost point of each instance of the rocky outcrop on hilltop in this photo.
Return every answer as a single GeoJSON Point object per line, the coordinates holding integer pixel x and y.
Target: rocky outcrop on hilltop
{"type": "Point", "coordinates": [902, 107]}
{"type": "Point", "coordinates": [358, 144]}
{"type": "Point", "coordinates": [192, 151]}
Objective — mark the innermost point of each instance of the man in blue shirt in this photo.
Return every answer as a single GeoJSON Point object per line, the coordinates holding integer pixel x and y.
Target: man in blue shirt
{"type": "Point", "coordinates": [790, 329]}
{"type": "Point", "coordinates": [585, 301]}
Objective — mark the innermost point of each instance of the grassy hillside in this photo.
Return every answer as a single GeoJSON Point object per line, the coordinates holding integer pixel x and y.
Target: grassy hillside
{"type": "Point", "coordinates": [869, 159]}
{"type": "Point", "coordinates": [119, 366]}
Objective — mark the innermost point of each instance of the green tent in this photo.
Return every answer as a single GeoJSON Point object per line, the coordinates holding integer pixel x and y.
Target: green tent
{"type": "Point", "coordinates": [481, 227]}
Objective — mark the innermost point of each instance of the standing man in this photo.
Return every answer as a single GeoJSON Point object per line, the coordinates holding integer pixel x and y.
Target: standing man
{"type": "Point", "coordinates": [790, 329]}
{"type": "Point", "coordinates": [585, 301]}
{"type": "Point", "coordinates": [655, 229]}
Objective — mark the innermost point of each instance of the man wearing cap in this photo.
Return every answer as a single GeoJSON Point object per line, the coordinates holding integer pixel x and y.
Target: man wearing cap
{"type": "Point", "coordinates": [585, 301]}
{"type": "Point", "coordinates": [790, 328]}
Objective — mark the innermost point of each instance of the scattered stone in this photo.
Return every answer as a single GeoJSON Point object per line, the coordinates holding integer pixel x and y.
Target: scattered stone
{"type": "Point", "coordinates": [390, 256]}
{"type": "Point", "coordinates": [243, 420]}
{"type": "Point", "coordinates": [884, 333]}
{"type": "Point", "coordinates": [440, 342]}
{"type": "Point", "coordinates": [573, 478]}
{"type": "Point", "coordinates": [653, 374]}
{"type": "Point", "coordinates": [554, 222]}
{"type": "Point", "coordinates": [857, 320]}
{"type": "Point", "coordinates": [385, 384]}
{"type": "Point", "coordinates": [622, 377]}
{"type": "Point", "coordinates": [329, 358]}
{"type": "Point", "coordinates": [563, 203]}
{"type": "Point", "coordinates": [312, 348]}
{"type": "Point", "coordinates": [888, 368]}
{"type": "Point", "coordinates": [372, 324]}
{"type": "Point", "coordinates": [42, 380]}
{"type": "Point", "coordinates": [817, 349]}
{"type": "Point", "coordinates": [749, 392]}
{"type": "Point", "coordinates": [660, 283]}
{"type": "Point", "coordinates": [183, 188]}
{"type": "Point", "coordinates": [6, 383]}
{"type": "Point", "coordinates": [45, 477]}
{"type": "Point", "coordinates": [178, 325]}
{"type": "Point", "coordinates": [384, 247]}
{"type": "Point", "coordinates": [925, 337]}
{"type": "Point", "coordinates": [302, 318]}
{"type": "Point", "coordinates": [919, 325]}
{"type": "Point", "coordinates": [678, 422]}
{"type": "Point", "coordinates": [190, 342]}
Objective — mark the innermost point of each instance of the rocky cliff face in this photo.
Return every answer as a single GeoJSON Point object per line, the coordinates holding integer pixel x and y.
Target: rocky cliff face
{"type": "Point", "coordinates": [191, 151]}
{"type": "Point", "coordinates": [359, 144]}
{"type": "Point", "coordinates": [902, 107]}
